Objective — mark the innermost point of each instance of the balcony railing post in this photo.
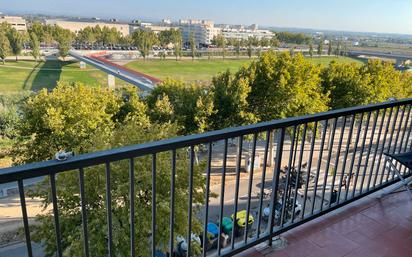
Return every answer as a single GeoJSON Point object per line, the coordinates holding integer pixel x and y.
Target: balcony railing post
{"type": "Point", "coordinates": [238, 168]}
{"type": "Point", "coordinates": [84, 213]}
{"type": "Point", "coordinates": [25, 218]}
{"type": "Point", "coordinates": [56, 215]}
{"type": "Point", "coordinates": [109, 212]}
{"type": "Point", "coordinates": [275, 182]}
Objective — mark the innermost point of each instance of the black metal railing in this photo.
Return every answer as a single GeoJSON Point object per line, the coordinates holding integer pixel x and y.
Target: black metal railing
{"type": "Point", "coordinates": [311, 165]}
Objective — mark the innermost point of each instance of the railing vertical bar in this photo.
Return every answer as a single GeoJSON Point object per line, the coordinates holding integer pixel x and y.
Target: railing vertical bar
{"type": "Point", "coordinates": [352, 163]}
{"type": "Point", "coordinates": [345, 158]}
{"type": "Point", "coordinates": [265, 157]}
{"type": "Point", "coordinates": [275, 181]}
{"type": "Point", "coordinates": [336, 165]}
{"type": "Point", "coordinates": [25, 218]}
{"type": "Point", "coordinates": [56, 215]}
{"type": "Point", "coordinates": [326, 175]}
{"type": "Point", "coordinates": [109, 211]}
{"type": "Point", "coordinates": [309, 167]}
{"type": "Point", "coordinates": [286, 186]}
{"type": "Point", "coordinates": [405, 128]}
{"type": "Point", "coordinates": [383, 147]}
{"type": "Point", "coordinates": [222, 197]}
{"type": "Point", "coordinates": [172, 202]}
{"type": "Point", "coordinates": [189, 228]}
{"type": "Point", "coordinates": [397, 138]}
{"type": "Point", "coordinates": [408, 134]}
{"type": "Point", "coordinates": [84, 213]}
{"type": "Point", "coordinates": [322, 145]}
{"type": "Point", "coordinates": [368, 155]}
{"type": "Point", "coordinates": [403, 134]}
{"type": "Point", "coordinates": [238, 164]}
{"type": "Point", "coordinates": [395, 119]}
{"type": "Point", "coordinates": [209, 167]}
{"type": "Point", "coordinates": [365, 134]}
{"type": "Point", "coordinates": [252, 164]}
{"type": "Point", "coordinates": [153, 246]}
{"type": "Point", "coordinates": [302, 148]}
{"type": "Point", "coordinates": [376, 174]}
{"type": "Point", "coordinates": [132, 202]}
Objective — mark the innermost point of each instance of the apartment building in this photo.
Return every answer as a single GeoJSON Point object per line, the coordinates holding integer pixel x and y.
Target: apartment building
{"type": "Point", "coordinates": [242, 32]}
{"type": "Point", "coordinates": [17, 22]}
{"type": "Point", "coordinates": [204, 31]}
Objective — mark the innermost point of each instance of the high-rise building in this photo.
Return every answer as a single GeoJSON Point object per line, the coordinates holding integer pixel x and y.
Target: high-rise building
{"type": "Point", "coordinates": [17, 22]}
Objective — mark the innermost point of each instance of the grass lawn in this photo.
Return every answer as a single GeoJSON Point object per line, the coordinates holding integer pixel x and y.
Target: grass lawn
{"type": "Point", "coordinates": [204, 70]}
{"type": "Point", "coordinates": [325, 60]}
{"type": "Point", "coordinates": [29, 75]}
{"type": "Point", "coordinates": [187, 70]}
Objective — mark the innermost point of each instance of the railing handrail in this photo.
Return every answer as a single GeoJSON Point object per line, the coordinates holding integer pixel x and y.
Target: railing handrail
{"type": "Point", "coordinates": [39, 169]}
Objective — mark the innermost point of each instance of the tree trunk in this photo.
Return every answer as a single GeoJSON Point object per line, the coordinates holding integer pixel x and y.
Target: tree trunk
{"type": "Point", "coordinates": [16, 59]}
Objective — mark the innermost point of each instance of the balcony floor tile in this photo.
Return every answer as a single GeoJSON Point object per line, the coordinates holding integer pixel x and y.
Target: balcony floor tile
{"type": "Point", "coordinates": [373, 226]}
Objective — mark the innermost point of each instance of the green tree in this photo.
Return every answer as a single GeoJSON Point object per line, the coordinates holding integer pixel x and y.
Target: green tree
{"type": "Point", "coordinates": [63, 119]}
{"type": "Point", "coordinates": [337, 49]}
{"type": "Point", "coordinates": [38, 29]}
{"type": "Point", "coordinates": [220, 42]}
{"type": "Point", "coordinates": [237, 48]}
{"type": "Point", "coordinates": [330, 48]}
{"type": "Point", "coordinates": [144, 40]}
{"type": "Point", "coordinates": [250, 47]}
{"type": "Point", "coordinates": [385, 81]}
{"type": "Point", "coordinates": [35, 46]}
{"type": "Point", "coordinates": [230, 94]}
{"type": "Point", "coordinates": [274, 41]}
{"type": "Point", "coordinates": [64, 38]}
{"type": "Point", "coordinates": [70, 212]}
{"type": "Point", "coordinates": [283, 86]}
{"type": "Point", "coordinates": [189, 105]}
{"type": "Point", "coordinates": [87, 36]}
{"type": "Point", "coordinates": [87, 119]}
{"type": "Point", "coordinates": [5, 49]}
{"type": "Point", "coordinates": [177, 41]}
{"type": "Point", "coordinates": [16, 42]}
{"type": "Point", "coordinates": [320, 48]}
{"type": "Point", "coordinates": [345, 85]}
{"type": "Point", "coordinates": [311, 50]}
{"type": "Point", "coordinates": [192, 45]}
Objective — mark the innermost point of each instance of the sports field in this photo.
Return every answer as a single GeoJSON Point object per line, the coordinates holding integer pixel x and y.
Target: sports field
{"type": "Point", "coordinates": [204, 70]}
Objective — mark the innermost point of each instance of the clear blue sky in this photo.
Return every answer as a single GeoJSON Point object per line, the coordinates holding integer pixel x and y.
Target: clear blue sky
{"type": "Point", "coordinates": [354, 15]}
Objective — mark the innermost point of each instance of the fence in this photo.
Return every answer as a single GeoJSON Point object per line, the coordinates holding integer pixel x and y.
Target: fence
{"type": "Point", "coordinates": [321, 162]}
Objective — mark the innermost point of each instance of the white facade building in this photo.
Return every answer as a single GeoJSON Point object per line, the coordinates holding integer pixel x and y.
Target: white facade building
{"type": "Point", "coordinates": [17, 22]}
{"type": "Point", "coordinates": [204, 31]}
{"type": "Point", "coordinates": [241, 33]}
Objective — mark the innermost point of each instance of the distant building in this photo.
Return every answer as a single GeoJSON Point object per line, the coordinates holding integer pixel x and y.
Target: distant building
{"type": "Point", "coordinates": [77, 26]}
{"type": "Point", "coordinates": [241, 33]}
{"type": "Point", "coordinates": [17, 22]}
{"type": "Point", "coordinates": [166, 21]}
{"type": "Point", "coordinates": [151, 27]}
{"type": "Point", "coordinates": [204, 31]}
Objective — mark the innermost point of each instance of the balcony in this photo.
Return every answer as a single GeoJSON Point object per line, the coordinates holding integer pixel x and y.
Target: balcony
{"type": "Point", "coordinates": [312, 180]}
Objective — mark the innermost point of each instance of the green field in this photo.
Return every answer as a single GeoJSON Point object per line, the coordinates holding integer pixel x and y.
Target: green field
{"type": "Point", "coordinates": [204, 70]}
{"type": "Point", "coordinates": [29, 75]}
{"type": "Point", "coordinates": [187, 70]}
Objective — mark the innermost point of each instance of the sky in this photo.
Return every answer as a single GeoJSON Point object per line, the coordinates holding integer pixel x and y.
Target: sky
{"type": "Point", "coordinates": [390, 16]}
